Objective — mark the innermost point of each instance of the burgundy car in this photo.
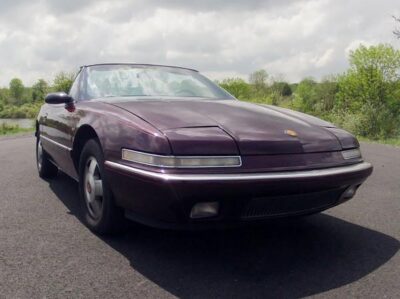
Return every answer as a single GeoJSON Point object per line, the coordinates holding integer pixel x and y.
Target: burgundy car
{"type": "Point", "coordinates": [167, 147]}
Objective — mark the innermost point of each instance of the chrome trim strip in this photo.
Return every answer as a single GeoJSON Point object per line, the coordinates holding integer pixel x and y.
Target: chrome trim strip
{"type": "Point", "coordinates": [242, 176]}
{"type": "Point", "coordinates": [56, 143]}
{"type": "Point", "coordinates": [180, 157]}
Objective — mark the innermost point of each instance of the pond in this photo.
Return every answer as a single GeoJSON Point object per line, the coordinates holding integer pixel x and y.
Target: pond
{"type": "Point", "coordinates": [21, 122]}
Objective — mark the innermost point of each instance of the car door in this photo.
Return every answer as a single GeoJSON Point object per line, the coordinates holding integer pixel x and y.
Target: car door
{"type": "Point", "coordinates": [59, 126]}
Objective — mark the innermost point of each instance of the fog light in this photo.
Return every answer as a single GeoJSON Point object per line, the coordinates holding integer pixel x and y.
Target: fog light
{"type": "Point", "coordinates": [204, 210]}
{"type": "Point", "coordinates": [350, 192]}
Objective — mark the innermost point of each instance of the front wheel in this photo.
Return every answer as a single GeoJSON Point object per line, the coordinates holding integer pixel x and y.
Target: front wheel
{"type": "Point", "coordinates": [101, 214]}
{"type": "Point", "coordinates": [45, 168]}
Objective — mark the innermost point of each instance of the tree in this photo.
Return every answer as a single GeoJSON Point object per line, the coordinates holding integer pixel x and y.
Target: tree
{"type": "Point", "coordinates": [4, 95]}
{"type": "Point", "coordinates": [325, 94]}
{"type": "Point", "coordinates": [396, 31]}
{"type": "Point", "coordinates": [371, 90]}
{"type": "Point", "coordinates": [39, 90]}
{"type": "Point", "coordinates": [259, 80]}
{"type": "Point", "coordinates": [16, 91]}
{"type": "Point", "coordinates": [282, 88]}
{"type": "Point", "coordinates": [237, 87]}
{"type": "Point", "coordinates": [3, 98]}
{"type": "Point", "coordinates": [305, 96]}
{"type": "Point", "coordinates": [63, 81]}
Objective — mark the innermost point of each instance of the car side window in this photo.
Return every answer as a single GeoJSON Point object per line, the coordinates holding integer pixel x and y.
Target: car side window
{"type": "Point", "coordinates": [74, 91]}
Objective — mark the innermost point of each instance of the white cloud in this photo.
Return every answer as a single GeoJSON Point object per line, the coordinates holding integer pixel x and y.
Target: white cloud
{"type": "Point", "coordinates": [355, 44]}
{"type": "Point", "coordinates": [220, 38]}
{"type": "Point", "coordinates": [324, 59]}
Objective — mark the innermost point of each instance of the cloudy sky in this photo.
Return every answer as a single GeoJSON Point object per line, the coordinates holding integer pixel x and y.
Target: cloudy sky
{"type": "Point", "coordinates": [289, 39]}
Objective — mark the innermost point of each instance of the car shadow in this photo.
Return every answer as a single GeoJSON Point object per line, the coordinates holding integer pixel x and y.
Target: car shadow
{"type": "Point", "coordinates": [291, 258]}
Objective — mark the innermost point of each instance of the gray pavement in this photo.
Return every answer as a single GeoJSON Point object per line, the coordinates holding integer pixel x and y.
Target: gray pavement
{"type": "Point", "coordinates": [45, 251]}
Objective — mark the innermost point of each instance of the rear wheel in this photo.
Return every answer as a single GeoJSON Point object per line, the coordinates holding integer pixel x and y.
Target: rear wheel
{"type": "Point", "coordinates": [45, 168]}
{"type": "Point", "coordinates": [101, 214]}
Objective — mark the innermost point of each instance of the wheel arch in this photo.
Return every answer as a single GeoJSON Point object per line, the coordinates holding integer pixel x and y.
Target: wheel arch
{"type": "Point", "coordinates": [83, 135]}
{"type": "Point", "coordinates": [37, 128]}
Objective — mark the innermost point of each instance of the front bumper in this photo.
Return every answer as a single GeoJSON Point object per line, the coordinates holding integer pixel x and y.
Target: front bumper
{"type": "Point", "coordinates": [166, 199]}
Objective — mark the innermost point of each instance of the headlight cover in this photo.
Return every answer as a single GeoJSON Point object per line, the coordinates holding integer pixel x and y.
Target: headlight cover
{"type": "Point", "coordinates": [347, 140]}
{"type": "Point", "coordinates": [180, 161]}
{"type": "Point", "coordinates": [351, 154]}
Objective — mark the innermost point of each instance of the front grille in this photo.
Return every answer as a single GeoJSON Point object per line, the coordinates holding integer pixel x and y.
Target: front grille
{"type": "Point", "coordinates": [291, 204]}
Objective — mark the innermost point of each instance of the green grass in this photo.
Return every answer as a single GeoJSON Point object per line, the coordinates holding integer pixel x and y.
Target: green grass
{"type": "Point", "coordinates": [13, 129]}
{"type": "Point", "coordinates": [390, 141]}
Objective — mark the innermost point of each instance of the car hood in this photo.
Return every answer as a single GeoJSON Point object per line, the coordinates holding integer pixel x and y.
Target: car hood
{"type": "Point", "coordinates": [255, 129]}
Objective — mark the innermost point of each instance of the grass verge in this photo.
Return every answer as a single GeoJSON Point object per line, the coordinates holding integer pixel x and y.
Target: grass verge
{"type": "Point", "coordinates": [390, 141]}
{"type": "Point", "coordinates": [13, 129]}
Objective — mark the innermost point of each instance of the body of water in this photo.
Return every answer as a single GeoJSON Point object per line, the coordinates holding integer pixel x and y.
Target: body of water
{"type": "Point", "coordinates": [21, 122]}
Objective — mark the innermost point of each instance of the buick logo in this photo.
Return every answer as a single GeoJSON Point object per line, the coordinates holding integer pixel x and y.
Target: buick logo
{"type": "Point", "coordinates": [291, 133]}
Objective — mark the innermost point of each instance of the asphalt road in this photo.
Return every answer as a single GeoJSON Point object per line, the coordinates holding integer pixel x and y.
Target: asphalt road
{"type": "Point", "coordinates": [45, 251]}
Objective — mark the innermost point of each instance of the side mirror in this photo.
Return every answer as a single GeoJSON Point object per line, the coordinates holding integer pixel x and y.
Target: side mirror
{"type": "Point", "coordinates": [58, 98]}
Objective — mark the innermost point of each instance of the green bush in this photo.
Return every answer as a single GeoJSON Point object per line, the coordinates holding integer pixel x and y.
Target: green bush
{"type": "Point", "coordinates": [24, 111]}
{"type": "Point", "coordinates": [11, 129]}
{"type": "Point", "coordinates": [370, 89]}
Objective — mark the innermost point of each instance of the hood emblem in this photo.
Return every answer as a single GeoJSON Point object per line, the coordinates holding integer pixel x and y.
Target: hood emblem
{"type": "Point", "coordinates": [291, 133]}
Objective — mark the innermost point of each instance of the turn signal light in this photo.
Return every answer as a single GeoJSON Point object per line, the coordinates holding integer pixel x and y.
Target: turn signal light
{"type": "Point", "coordinates": [351, 154]}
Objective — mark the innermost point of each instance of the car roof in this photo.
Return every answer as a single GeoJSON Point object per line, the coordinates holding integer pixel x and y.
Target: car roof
{"type": "Point", "coordinates": [141, 64]}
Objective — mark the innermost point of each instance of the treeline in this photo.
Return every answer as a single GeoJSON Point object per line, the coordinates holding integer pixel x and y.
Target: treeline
{"type": "Point", "coordinates": [364, 100]}
{"type": "Point", "coordinates": [19, 101]}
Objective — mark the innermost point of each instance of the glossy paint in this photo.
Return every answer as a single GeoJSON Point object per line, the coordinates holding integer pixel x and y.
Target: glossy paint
{"type": "Point", "coordinates": [164, 204]}
{"type": "Point", "coordinates": [195, 126]}
{"type": "Point", "coordinates": [256, 129]}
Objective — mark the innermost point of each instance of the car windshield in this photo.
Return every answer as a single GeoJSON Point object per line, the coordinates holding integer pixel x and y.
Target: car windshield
{"type": "Point", "coordinates": [149, 81]}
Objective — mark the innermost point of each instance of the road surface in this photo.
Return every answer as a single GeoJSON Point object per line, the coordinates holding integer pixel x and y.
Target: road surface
{"type": "Point", "coordinates": [45, 251]}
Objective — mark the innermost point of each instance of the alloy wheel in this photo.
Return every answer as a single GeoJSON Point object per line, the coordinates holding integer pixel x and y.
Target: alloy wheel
{"type": "Point", "coordinates": [93, 188]}
{"type": "Point", "coordinates": [39, 155]}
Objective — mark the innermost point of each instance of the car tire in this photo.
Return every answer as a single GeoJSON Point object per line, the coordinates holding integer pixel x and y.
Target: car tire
{"type": "Point", "coordinates": [45, 167]}
{"type": "Point", "coordinates": [100, 213]}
